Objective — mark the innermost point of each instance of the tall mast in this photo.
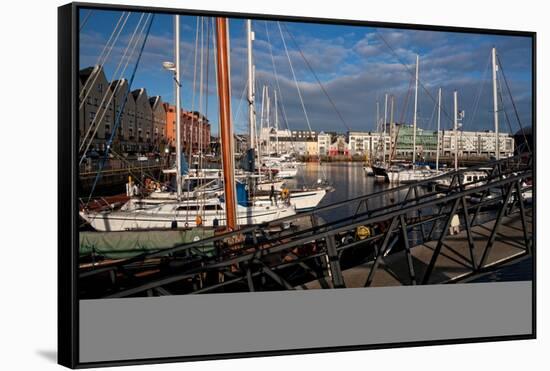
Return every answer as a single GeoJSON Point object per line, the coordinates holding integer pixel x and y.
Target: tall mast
{"type": "Point", "coordinates": [438, 129]}
{"type": "Point", "coordinates": [385, 122]}
{"type": "Point", "coordinates": [251, 109]}
{"type": "Point", "coordinates": [377, 116]}
{"type": "Point", "coordinates": [455, 94]}
{"type": "Point", "coordinates": [178, 108]}
{"type": "Point", "coordinates": [262, 110]}
{"type": "Point", "coordinates": [415, 110]}
{"type": "Point", "coordinates": [276, 125]}
{"type": "Point", "coordinates": [378, 127]}
{"type": "Point", "coordinates": [495, 103]}
{"type": "Point", "coordinates": [391, 128]}
{"type": "Point", "coordinates": [255, 128]}
{"type": "Point", "coordinates": [226, 129]}
{"type": "Point", "coordinates": [267, 122]}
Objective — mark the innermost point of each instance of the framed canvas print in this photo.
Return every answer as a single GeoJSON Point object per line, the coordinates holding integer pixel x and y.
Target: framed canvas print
{"type": "Point", "coordinates": [235, 185]}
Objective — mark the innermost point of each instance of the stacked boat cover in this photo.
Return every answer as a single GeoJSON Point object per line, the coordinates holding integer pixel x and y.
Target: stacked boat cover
{"type": "Point", "coordinates": [121, 245]}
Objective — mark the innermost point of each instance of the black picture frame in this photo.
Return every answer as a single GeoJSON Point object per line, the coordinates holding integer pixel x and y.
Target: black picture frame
{"type": "Point", "coordinates": [68, 303]}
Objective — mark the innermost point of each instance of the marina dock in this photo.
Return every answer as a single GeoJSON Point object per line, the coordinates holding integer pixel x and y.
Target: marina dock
{"type": "Point", "coordinates": [453, 264]}
{"type": "Point", "coordinates": [407, 235]}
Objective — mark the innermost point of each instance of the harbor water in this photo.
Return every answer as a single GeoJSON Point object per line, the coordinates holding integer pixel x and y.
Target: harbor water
{"type": "Point", "coordinates": [349, 181]}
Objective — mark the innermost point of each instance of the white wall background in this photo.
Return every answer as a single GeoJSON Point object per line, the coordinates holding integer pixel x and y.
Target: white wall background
{"type": "Point", "coordinates": [28, 204]}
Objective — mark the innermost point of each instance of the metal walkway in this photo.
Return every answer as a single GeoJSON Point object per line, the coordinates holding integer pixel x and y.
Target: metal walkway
{"type": "Point", "coordinates": [370, 246]}
{"type": "Point", "coordinates": [453, 263]}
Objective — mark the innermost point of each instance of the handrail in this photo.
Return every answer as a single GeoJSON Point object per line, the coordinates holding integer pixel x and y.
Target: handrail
{"type": "Point", "coordinates": [363, 218]}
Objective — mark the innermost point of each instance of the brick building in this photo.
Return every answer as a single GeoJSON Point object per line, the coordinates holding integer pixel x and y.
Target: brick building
{"type": "Point", "coordinates": [146, 124]}
{"type": "Point", "coordinates": [195, 129]}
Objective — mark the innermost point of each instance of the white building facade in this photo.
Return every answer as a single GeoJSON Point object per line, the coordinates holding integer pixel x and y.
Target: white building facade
{"type": "Point", "coordinates": [371, 144]}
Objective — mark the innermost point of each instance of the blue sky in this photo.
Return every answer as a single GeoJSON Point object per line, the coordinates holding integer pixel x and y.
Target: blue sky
{"type": "Point", "coordinates": [353, 63]}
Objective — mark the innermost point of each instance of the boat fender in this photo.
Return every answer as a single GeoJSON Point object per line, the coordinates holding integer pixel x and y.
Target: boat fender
{"type": "Point", "coordinates": [174, 224]}
{"type": "Point", "coordinates": [198, 220]}
{"type": "Point", "coordinates": [285, 193]}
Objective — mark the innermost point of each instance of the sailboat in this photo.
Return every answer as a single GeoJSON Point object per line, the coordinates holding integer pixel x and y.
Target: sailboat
{"type": "Point", "coordinates": [158, 214]}
{"type": "Point", "coordinates": [477, 177]}
{"type": "Point", "coordinates": [273, 188]}
{"type": "Point", "coordinates": [302, 199]}
{"type": "Point", "coordinates": [411, 173]}
{"type": "Point", "coordinates": [381, 168]}
{"type": "Point", "coordinates": [367, 168]}
{"type": "Point", "coordinates": [142, 214]}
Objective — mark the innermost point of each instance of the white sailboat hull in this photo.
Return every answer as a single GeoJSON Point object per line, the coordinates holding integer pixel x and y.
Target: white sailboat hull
{"type": "Point", "coordinates": [471, 179]}
{"type": "Point", "coordinates": [368, 170]}
{"type": "Point", "coordinates": [411, 175]}
{"type": "Point", "coordinates": [167, 216]}
{"type": "Point", "coordinates": [287, 173]}
{"type": "Point", "coordinates": [302, 200]}
{"type": "Point", "coordinates": [267, 185]}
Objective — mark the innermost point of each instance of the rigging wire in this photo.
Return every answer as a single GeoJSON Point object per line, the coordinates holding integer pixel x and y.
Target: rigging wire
{"type": "Point", "coordinates": [102, 59]}
{"type": "Point", "coordinates": [317, 79]}
{"type": "Point", "coordinates": [238, 111]}
{"type": "Point", "coordinates": [402, 116]}
{"type": "Point", "coordinates": [207, 67]}
{"type": "Point", "coordinates": [294, 77]}
{"type": "Point", "coordinates": [85, 20]}
{"type": "Point", "coordinates": [480, 90]}
{"type": "Point", "coordinates": [194, 88]}
{"type": "Point", "coordinates": [117, 122]}
{"type": "Point", "coordinates": [409, 70]}
{"type": "Point", "coordinates": [201, 91]}
{"type": "Point", "coordinates": [297, 88]}
{"type": "Point", "coordinates": [513, 104]}
{"type": "Point", "coordinates": [102, 105]}
{"type": "Point", "coordinates": [104, 50]}
{"type": "Point", "coordinates": [275, 71]}
{"type": "Point", "coordinates": [280, 95]}
{"type": "Point", "coordinates": [190, 143]}
{"type": "Point", "coordinates": [283, 110]}
{"type": "Point", "coordinates": [430, 122]}
{"type": "Point", "coordinates": [501, 100]}
{"type": "Point", "coordinates": [108, 92]}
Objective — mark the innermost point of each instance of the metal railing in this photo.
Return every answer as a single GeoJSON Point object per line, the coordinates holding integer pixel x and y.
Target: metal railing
{"type": "Point", "coordinates": [269, 257]}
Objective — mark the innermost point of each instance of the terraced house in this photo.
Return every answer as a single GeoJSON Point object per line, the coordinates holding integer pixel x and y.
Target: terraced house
{"type": "Point", "coordinates": [145, 123]}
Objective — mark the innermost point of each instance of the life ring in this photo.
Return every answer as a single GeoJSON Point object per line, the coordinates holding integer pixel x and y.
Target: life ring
{"type": "Point", "coordinates": [363, 232]}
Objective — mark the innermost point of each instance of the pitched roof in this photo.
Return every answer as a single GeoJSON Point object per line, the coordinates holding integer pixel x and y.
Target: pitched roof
{"type": "Point", "coordinates": [85, 73]}
{"type": "Point", "coordinates": [155, 102]}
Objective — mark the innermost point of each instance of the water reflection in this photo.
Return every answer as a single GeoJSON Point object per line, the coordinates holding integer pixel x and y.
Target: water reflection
{"type": "Point", "coordinates": [349, 181]}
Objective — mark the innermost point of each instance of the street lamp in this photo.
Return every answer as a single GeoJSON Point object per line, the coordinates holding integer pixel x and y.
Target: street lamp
{"type": "Point", "coordinates": [169, 66]}
{"type": "Point", "coordinates": [174, 67]}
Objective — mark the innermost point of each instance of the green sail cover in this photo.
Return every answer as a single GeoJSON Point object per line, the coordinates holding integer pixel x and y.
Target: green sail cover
{"type": "Point", "coordinates": [122, 245]}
